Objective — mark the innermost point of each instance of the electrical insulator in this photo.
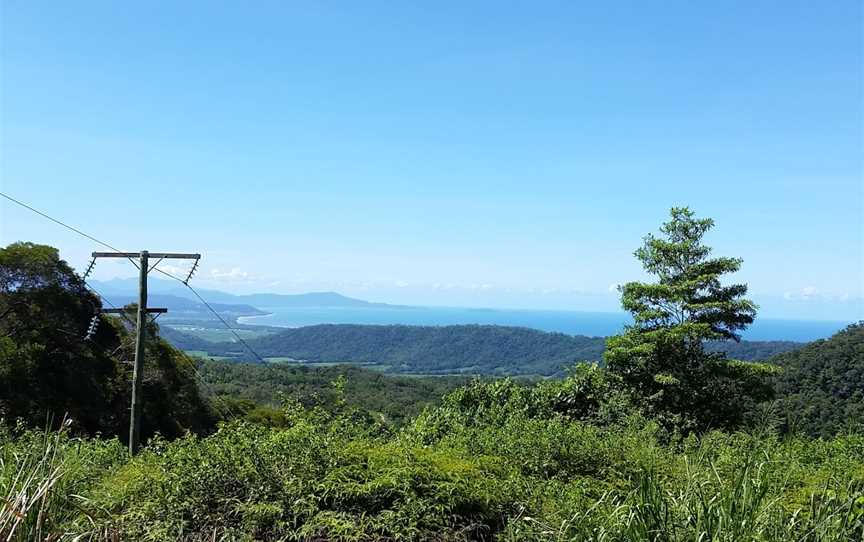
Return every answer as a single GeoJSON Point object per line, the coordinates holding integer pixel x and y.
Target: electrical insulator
{"type": "Point", "coordinates": [192, 272]}
{"type": "Point", "coordinates": [89, 268]}
{"type": "Point", "coordinates": [94, 325]}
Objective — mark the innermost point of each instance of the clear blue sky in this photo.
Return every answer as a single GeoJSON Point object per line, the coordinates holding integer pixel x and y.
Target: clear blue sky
{"type": "Point", "coordinates": [470, 153]}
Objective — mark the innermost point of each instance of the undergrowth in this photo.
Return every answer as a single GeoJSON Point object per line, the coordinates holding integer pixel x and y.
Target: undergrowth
{"type": "Point", "coordinates": [449, 476]}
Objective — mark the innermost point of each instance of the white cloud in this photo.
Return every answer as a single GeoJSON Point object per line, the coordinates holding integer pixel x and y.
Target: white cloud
{"type": "Point", "coordinates": [807, 293]}
{"type": "Point", "coordinates": [613, 288]}
{"type": "Point", "coordinates": [235, 274]}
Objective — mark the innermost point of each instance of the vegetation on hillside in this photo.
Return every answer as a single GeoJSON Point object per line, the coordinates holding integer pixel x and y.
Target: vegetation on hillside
{"type": "Point", "coordinates": [823, 402]}
{"type": "Point", "coordinates": [822, 384]}
{"type": "Point", "coordinates": [458, 349]}
{"type": "Point", "coordinates": [434, 350]}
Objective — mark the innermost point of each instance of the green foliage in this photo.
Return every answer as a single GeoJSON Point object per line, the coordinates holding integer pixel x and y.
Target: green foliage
{"type": "Point", "coordinates": [317, 478]}
{"type": "Point", "coordinates": [46, 368]}
{"type": "Point", "coordinates": [662, 356]}
{"type": "Point", "coordinates": [688, 292]}
{"type": "Point", "coordinates": [821, 386]}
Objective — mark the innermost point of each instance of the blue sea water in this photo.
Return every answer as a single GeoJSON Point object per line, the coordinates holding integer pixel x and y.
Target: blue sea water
{"type": "Point", "coordinates": [570, 322]}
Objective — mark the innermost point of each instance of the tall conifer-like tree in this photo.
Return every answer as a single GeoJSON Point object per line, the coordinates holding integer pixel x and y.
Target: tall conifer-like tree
{"type": "Point", "coordinates": [661, 356]}
{"type": "Point", "coordinates": [688, 291]}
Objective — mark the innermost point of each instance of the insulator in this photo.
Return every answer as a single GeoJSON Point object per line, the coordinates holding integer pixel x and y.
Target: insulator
{"type": "Point", "coordinates": [191, 272]}
{"type": "Point", "coordinates": [90, 268]}
{"type": "Point", "coordinates": [91, 330]}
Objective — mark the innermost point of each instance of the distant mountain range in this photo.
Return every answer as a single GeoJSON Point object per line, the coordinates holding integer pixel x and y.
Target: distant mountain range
{"type": "Point", "coordinates": [122, 289]}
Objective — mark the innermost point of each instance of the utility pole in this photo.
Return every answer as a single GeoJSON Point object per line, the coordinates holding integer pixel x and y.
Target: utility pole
{"type": "Point", "coordinates": [140, 337]}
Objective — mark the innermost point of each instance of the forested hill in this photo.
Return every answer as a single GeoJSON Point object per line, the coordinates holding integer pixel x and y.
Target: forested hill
{"type": "Point", "coordinates": [476, 349]}
{"type": "Point", "coordinates": [435, 350]}
{"type": "Point", "coordinates": [823, 383]}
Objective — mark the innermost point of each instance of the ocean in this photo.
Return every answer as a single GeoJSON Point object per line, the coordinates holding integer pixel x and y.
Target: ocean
{"type": "Point", "coordinates": [597, 324]}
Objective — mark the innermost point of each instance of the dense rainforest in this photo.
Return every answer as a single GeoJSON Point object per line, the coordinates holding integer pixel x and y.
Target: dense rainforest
{"type": "Point", "coordinates": [822, 384]}
{"type": "Point", "coordinates": [669, 439]}
{"type": "Point", "coordinates": [466, 349]}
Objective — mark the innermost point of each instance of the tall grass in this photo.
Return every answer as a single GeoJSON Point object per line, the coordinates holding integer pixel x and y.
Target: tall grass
{"type": "Point", "coordinates": [707, 507]}
{"type": "Point", "coordinates": [27, 478]}
{"type": "Point", "coordinates": [43, 475]}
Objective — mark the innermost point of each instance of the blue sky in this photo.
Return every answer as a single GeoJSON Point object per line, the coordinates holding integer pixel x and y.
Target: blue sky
{"type": "Point", "coordinates": [465, 153]}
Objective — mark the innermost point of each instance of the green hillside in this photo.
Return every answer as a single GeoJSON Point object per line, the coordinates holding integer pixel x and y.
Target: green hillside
{"type": "Point", "coordinates": [822, 384]}
{"type": "Point", "coordinates": [470, 349]}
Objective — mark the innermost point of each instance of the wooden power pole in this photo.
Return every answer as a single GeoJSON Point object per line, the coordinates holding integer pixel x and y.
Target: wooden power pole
{"type": "Point", "coordinates": [140, 334]}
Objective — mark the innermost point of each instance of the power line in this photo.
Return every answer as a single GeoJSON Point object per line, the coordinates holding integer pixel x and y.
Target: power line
{"type": "Point", "coordinates": [225, 406]}
{"type": "Point", "coordinates": [200, 377]}
{"type": "Point", "coordinates": [67, 226]}
{"type": "Point", "coordinates": [216, 314]}
{"type": "Point", "coordinates": [233, 331]}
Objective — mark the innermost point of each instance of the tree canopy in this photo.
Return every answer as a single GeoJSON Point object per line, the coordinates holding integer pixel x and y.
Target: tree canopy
{"type": "Point", "coordinates": [662, 356]}
{"type": "Point", "coordinates": [688, 294]}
